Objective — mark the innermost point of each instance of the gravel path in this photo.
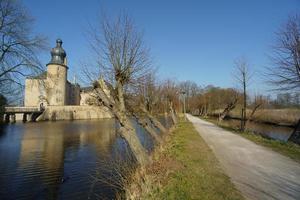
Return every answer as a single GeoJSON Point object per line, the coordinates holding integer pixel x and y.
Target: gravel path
{"type": "Point", "coordinates": [258, 172]}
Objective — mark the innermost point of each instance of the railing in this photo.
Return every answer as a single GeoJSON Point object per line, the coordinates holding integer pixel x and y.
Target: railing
{"type": "Point", "coordinates": [22, 109]}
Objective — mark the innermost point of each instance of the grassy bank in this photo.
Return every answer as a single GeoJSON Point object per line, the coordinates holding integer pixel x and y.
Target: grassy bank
{"type": "Point", "coordinates": [284, 117]}
{"type": "Point", "coordinates": [289, 149]}
{"type": "Point", "coordinates": [185, 168]}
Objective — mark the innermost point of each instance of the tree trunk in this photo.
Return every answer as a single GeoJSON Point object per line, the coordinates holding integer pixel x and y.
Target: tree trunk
{"type": "Point", "coordinates": [228, 108]}
{"type": "Point", "coordinates": [148, 128]}
{"type": "Point", "coordinates": [201, 111]}
{"type": "Point", "coordinates": [1, 114]}
{"type": "Point", "coordinates": [121, 100]}
{"type": "Point", "coordinates": [129, 134]}
{"type": "Point", "coordinates": [205, 110]}
{"type": "Point", "coordinates": [252, 114]}
{"type": "Point", "coordinates": [295, 137]}
{"type": "Point", "coordinates": [245, 102]}
{"type": "Point", "coordinates": [126, 130]}
{"type": "Point", "coordinates": [242, 120]}
{"type": "Point", "coordinates": [173, 116]}
{"type": "Point", "coordinates": [153, 120]}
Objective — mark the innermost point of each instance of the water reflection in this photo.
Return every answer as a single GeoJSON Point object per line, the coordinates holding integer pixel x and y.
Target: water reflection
{"type": "Point", "coordinates": [59, 160]}
{"type": "Point", "coordinates": [55, 160]}
{"type": "Point", "coordinates": [275, 132]}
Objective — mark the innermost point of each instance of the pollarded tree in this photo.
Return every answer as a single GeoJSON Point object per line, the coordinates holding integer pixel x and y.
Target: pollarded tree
{"type": "Point", "coordinates": [122, 60]}
{"type": "Point", "coordinates": [18, 46]}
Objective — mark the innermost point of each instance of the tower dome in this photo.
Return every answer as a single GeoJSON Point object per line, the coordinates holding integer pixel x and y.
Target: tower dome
{"type": "Point", "coordinates": [58, 54]}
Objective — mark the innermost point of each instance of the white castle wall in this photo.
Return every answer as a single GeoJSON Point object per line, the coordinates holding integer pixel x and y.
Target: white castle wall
{"type": "Point", "coordinates": [74, 112]}
{"type": "Point", "coordinates": [34, 89]}
{"type": "Point", "coordinates": [57, 80]}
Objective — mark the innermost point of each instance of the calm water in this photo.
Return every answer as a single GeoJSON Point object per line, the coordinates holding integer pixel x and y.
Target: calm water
{"type": "Point", "coordinates": [275, 132]}
{"type": "Point", "coordinates": [60, 160]}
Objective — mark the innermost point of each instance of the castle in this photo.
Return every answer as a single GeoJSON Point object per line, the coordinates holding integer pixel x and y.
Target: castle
{"type": "Point", "coordinates": [60, 98]}
{"type": "Point", "coordinates": [52, 86]}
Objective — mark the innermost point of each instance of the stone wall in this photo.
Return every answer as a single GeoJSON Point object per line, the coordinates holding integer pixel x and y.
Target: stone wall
{"type": "Point", "coordinates": [34, 89]}
{"type": "Point", "coordinates": [86, 97]}
{"type": "Point", "coordinates": [73, 94]}
{"type": "Point", "coordinates": [74, 112]}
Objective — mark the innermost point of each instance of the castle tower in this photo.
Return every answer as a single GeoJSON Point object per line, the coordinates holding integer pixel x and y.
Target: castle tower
{"type": "Point", "coordinates": [57, 76]}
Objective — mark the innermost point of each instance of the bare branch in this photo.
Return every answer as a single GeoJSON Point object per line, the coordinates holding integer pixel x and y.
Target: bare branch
{"type": "Point", "coordinates": [18, 46]}
{"type": "Point", "coordinates": [284, 74]}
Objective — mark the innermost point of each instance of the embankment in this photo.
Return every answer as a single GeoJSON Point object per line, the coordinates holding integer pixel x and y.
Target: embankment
{"type": "Point", "coordinates": [184, 168]}
{"type": "Point", "coordinates": [281, 117]}
{"type": "Point", "coordinates": [54, 113]}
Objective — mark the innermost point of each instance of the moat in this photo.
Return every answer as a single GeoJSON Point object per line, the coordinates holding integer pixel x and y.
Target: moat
{"type": "Point", "coordinates": [60, 160]}
{"type": "Point", "coordinates": [275, 132]}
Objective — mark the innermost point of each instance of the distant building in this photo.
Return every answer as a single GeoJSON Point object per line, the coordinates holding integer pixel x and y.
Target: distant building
{"type": "Point", "coordinates": [52, 88]}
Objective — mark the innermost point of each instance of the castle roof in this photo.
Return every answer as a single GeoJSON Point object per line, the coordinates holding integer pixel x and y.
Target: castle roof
{"type": "Point", "coordinates": [58, 54]}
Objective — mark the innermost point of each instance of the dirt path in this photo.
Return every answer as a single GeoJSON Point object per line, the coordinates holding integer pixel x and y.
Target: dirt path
{"type": "Point", "coordinates": [258, 172]}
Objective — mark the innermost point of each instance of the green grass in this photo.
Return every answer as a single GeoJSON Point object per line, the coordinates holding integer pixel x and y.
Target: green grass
{"type": "Point", "coordinates": [289, 149]}
{"type": "Point", "coordinates": [195, 173]}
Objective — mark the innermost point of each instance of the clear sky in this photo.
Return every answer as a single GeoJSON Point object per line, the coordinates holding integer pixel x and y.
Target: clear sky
{"type": "Point", "coordinates": [189, 40]}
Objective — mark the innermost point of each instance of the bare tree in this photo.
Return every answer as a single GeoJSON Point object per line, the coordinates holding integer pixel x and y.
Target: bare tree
{"type": "Point", "coordinates": [123, 62]}
{"type": "Point", "coordinates": [147, 92]}
{"type": "Point", "coordinates": [186, 88]}
{"type": "Point", "coordinates": [147, 99]}
{"type": "Point", "coordinates": [18, 46]}
{"type": "Point", "coordinates": [284, 74]}
{"type": "Point", "coordinates": [259, 101]}
{"type": "Point", "coordinates": [170, 92]}
{"type": "Point", "coordinates": [243, 76]}
{"type": "Point", "coordinates": [230, 105]}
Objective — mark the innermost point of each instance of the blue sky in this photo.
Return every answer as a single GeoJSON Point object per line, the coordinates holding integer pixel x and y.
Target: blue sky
{"type": "Point", "coordinates": [189, 40]}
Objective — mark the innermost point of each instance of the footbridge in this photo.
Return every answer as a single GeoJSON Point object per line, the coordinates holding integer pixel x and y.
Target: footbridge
{"type": "Point", "coordinates": [29, 113]}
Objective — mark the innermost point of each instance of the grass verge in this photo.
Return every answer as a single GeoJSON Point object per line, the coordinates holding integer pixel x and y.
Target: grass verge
{"type": "Point", "coordinates": [289, 149]}
{"type": "Point", "coordinates": [185, 168]}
